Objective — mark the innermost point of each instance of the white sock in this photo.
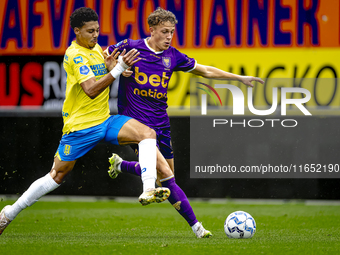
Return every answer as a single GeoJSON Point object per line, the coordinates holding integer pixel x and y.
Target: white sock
{"type": "Point", "coordinates": [37, 189]}
{"type": "Point", "coordinates": [147, 161]}
{"type": "Point", "coordinates": [195, 226]}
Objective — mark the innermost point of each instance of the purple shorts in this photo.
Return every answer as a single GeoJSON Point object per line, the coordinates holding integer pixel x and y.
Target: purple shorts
{"type": "Point", "coordinates": [163, 142]}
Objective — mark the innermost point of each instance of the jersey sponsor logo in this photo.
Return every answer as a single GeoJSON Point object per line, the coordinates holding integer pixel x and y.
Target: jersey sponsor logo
{"type": "Point", "coordinates": [117, 44]}
{"type": "Point", "coordinates": [154, 55]}
{"type": "Point", "coordinates": [120, 43]}
{"type": "Point", "coordinates": [92, 56]}
{"type": "Point", "coordinates": [154, 79]}
{"type": "Point", "coordinates": [166, 62]}
{"type": "Point", "coordinates": [78, 60]}
{"type": "Point", "coordinates": [84, 70]}
{"type": "Point", "coordinates": [99, 69]}
{"type": "Point", "coordinates": [67, 149]}
{"type": "Point", "coordinates": [149, 93]}
{"type": "Point", "coordinates": [65, 114]}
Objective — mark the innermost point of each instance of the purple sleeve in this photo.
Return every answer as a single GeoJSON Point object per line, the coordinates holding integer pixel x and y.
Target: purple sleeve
{"type": "Point", "coordinates": [125, 44]}
{"type": "Point", "coordinates": [183, 62]}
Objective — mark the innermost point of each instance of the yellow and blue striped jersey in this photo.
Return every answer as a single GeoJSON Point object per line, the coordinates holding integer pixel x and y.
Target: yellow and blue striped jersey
{"type": "Point", "coordinates": [80, 111]}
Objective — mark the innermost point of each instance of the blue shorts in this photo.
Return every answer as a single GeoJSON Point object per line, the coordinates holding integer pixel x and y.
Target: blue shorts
{"type": "Point", "coordinates": [163, 143]}
{"type": "Point", "coordinates": [76, 144]}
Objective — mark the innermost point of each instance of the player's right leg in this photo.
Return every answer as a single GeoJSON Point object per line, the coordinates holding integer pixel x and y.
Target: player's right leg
{"type": "Point", "coordinates": [39, 188]}
{"type": "Point", "coordinates": [71, 147]}
{"type": "Point", "coordinates": [118, 165]}
{"type": "Point", "coordinates": [135, 132]}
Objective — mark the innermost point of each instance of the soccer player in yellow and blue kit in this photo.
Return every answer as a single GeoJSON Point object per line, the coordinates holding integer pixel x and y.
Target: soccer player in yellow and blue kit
{"type": "Point", "coordinates": [87, 119]}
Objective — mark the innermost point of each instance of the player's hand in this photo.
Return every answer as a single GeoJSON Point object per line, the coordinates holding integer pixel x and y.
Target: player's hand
{"type": "Point", "coordinates": [247, 80]}
{"type": "Point", "coordinates": [130, 58]}
{"type": "Point", "coordinates": [111, 60]}
{"type": "Point", "coordinates": [127, 72]}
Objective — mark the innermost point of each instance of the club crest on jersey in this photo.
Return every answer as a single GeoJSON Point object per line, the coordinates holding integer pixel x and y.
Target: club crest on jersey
{"type": "Point", "coordinates": [78, 60]}
{"type": "Point", "coordinates": [166, 62]}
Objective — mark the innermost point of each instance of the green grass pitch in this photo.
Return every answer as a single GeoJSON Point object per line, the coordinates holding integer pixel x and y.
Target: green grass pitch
{"type": "Point", "coordinates": [108, 227]}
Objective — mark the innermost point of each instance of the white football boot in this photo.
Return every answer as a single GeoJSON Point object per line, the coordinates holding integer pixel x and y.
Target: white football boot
{"type": "Point", "coordinates": [200, 231]}
{"type": "Point", "coordinates": [156, 195]}
{"type": "Point", "coordinates": [115, 160]}
{"type": "Point", "coordinates": [4, 221]}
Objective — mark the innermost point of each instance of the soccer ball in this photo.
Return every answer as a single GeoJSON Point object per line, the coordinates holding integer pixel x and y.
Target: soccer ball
{"type": "Point", "coordinates": [240, 224]}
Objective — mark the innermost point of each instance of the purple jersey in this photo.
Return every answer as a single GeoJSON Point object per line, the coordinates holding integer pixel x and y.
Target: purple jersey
{"type": "Point", "coordinates": [143, 95]}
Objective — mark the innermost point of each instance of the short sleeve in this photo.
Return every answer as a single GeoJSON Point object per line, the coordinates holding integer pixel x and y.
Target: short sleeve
{"type": "Point", "coordinates": [183, 62]}
{"type": "Point", "coordinates": [81, 70]}
{"type": "Point", "coordinates": [125, 44]}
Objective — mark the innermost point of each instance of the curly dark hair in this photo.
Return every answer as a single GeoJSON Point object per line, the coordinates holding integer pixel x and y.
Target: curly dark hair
{"type": "Point", "coordinates": [82, 15]}
{"type": "Point", "coordinates": [160, 16]}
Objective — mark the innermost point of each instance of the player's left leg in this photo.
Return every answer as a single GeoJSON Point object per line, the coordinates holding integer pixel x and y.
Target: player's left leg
{"type": "Point", "coordinates": [71, 147]}
{"type": "Point", "coordinates": [180, 202]}
{"type": "Point", "coordinates": [171, 164]}
{"type": "Point", "coordinates": [178, 199]}
{"type": "Point", "coordinates": [177, 196]}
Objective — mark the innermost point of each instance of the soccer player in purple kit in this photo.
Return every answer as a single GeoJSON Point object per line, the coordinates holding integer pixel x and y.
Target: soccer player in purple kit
{"type": "Point", "coordinates": [143, 96]}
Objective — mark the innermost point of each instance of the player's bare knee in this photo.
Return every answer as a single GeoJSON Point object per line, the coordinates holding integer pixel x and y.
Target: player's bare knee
{"type": "Point", "coordinates": [148, 133]}
{"type": "Point", "coordinates": [58, 175]}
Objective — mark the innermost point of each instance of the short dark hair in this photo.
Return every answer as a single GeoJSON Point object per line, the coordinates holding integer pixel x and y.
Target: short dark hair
{"type": "Point", "coordinates": [82, 15]}
{"type": "Point", "coordinates": [160, 16]}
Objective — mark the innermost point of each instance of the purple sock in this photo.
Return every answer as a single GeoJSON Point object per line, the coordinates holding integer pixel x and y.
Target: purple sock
{"type": "Point", "coordinates": [131, 167]}
{"type": "Point", "coordinates": [179, 200]}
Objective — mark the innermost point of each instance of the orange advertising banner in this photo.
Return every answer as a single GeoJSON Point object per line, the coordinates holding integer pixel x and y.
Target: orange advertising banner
{"type": "Point", "coordinates": [41, 27]}
{"type": "Point", "coordinates": [297, 39]}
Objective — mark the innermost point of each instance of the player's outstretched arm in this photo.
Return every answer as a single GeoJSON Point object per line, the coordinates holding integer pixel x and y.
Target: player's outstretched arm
{"type": "Point", "coordinates": [93, 88]}
{"type": "Point", "coordinates": [215, 73]}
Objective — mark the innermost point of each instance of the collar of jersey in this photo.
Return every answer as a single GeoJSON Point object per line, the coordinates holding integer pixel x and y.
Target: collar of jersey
{"type": "Point", "coordinates": [81, 47]}
{"type": "Point", "coordinates": [147, 45]}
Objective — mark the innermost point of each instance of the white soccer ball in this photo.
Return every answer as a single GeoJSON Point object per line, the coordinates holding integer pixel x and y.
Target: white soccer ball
{"type": "Point", "coordinates": [240, 224]}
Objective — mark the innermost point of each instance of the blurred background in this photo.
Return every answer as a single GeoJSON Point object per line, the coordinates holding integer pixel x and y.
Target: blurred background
{"type": "Point", "coordinates": [297, 39]}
